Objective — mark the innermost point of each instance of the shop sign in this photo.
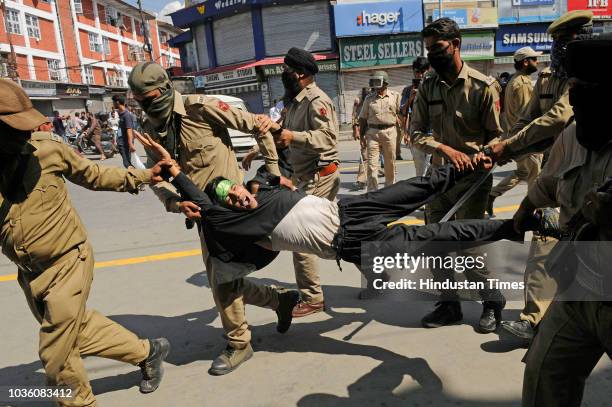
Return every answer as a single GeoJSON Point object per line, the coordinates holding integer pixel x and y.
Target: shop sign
{"type": "Point", "coordinates": [241, 74]}
{"type": "Point", "coordinates": [477, 47]}
{"type": "Point", "coordinates": [600, 8]}
{"type": "Point", "coordinates": [33, 88]}
{"type": "Point", "coordinates": [510, 38]}
{"type": "Point", "coordinates": [324, 66]}
{"type": "Point", "coordinates": [382, 17]}
{"type": "Point", "coordinates": [382, 50]}
{"type": "Point", "coordinates": [529, 11]}
{"type": "Point", "coordinates": [467, 14]}
{"type": "Point", "coordinates": [68, 90]}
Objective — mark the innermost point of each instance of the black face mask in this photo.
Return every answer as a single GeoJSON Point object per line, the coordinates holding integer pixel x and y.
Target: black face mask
{"type": "Point", "coordinates": [592, 131]}
{"type": "Point", "coordinates": [441, 61]}
{"type": "Point", "coordinates": [291, 84]}
{"type": "Point", "coordinates": [14, 141]}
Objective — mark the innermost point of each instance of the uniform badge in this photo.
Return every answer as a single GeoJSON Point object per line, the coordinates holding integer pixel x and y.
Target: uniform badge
{"type": "Point", "coordinates": [223, 106]}
{"type": "Point", "coordinates": [498, 105]}
{"type": "Point", "coordinates": [323, 112]}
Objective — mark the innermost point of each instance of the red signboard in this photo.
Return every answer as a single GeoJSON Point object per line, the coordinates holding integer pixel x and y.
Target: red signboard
{"type": "Point", "coordinates": [600, 8]}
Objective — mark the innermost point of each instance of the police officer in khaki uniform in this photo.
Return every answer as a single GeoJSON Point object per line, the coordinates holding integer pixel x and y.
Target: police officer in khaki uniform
{"type": "Point", "coordinates": [380, 114]}
{"type": "Point", "coordinates": [541, 122]}
{"type": "Point", "coordinates": [575, 331]}
{"type": "Point", "coordinates": [516, 98]}
{"type": "Point", "coordinates": [194, 131]}
{"type": "Point", "coordinates": [310, 130]}
{"type": "Point", "coordinates": [461, 105]}
{"type": "Point", "coordinates": [43, 235]}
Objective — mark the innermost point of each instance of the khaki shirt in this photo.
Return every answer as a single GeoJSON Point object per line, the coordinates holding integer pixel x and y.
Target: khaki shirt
{"type": "Point", "coordinates": [381, 110]}
{"type": "Point", "coordinates": [544, 118]}
{"type": "Point", "coordinates": [516, 98]}
{"type": "Point", "coordinates": [204, 145]}
{"type": "Point", "coordinates": [312, 119]}
{"type": "Point", "coordinates": [569, 174]}
{"type": "Point", "coordinates": [43, 225]}
{"type": "Point", "coordinates": [464, 115]}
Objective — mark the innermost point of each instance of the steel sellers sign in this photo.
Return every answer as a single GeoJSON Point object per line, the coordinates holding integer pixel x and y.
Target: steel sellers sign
{"type": "Point", "coordinates": [378, 51]}
{"type": "Point", "coordinates": [382, 17]}
{"type": "Point", "coordinates": [510, 38]}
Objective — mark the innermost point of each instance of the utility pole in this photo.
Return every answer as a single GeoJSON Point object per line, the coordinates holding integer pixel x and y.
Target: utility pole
{"type": "Point", "coordinates": [145, 29]}
{"type": "Point", "coordinates": [13, 73]}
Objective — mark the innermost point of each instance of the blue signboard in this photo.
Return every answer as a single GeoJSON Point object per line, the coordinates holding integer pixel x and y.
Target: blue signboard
{"type": "Point", "coordinates": [530, 11]}
{"type": "Point", "coordinates": [510, 38]}
{"type": "Point", "coordinates": [382, 17]}
{"type": "Point", "coordinates": [458, 15]}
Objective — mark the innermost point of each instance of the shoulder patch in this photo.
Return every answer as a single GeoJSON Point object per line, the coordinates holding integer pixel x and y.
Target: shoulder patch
{"type": "Point", "coordinates": [323, 112]}
{"type": "Point", "coordinates": [473, 73]}
{"type": "Point", "coordinates": [223, 106]}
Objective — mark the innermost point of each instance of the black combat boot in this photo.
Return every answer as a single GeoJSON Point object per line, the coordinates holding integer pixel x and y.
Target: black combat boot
{"type": "Point", "coordinates": [286, 302]}
{"type": "Point", "coordinates": [521, 329]}
{"type": "Point", "coordinates": [492, 307]}
{"type": "Point", "coordinates": [152, 367]}
{"type": "Point", "coordinates": [446, 313]}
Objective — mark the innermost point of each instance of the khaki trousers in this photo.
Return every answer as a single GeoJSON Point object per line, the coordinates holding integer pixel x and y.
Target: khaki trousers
{"type": "Point", "coordinates": [363, 165]}
{"type": "Point", "coordinates": [230, 299]}
{"type": "Point", "coordinates": [569, 343]}
{"type": "Point", "coordinates": [527, 169]}
{"type": "Point", "coordinates": [378, 140]}
{"type": "Point", "coordinates": [540, 287]}
{"type": "Point", "coordinates": [68, 330]}
{"type": "Point", "coordinates": [306, 265]}
{"type": "Point", "coordinates": [473, 208]}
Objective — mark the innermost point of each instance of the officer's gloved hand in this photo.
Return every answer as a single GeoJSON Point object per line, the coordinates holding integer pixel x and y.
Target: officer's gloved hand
{"type": "Point", "coordinates": [597, 208]}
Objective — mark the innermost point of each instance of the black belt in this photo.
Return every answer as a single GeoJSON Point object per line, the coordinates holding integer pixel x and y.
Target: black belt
{"type": "Point", "coordinates": [380, 126]}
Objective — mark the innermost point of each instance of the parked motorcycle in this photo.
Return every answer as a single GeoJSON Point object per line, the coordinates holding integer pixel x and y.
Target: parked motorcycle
{"type": "Point", "coordinates": [85, 144]}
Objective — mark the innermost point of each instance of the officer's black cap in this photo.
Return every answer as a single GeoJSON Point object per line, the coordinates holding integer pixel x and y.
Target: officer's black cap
{"type": "Point", "coordinates": [301, 61]}
{"type": "Point", "coordinates": [591, 60]}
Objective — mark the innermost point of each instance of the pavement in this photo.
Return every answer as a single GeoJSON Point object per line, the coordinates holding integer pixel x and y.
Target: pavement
{"type": "Point", "coordinates": [150, 278]}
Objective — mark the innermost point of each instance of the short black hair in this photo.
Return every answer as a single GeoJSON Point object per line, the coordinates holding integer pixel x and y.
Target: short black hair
{"type": "Point", "coordinates": [518, 65]}
{"type": "Point", "coordinates": [444, 28]}
{"type": "Point", "coordinates": [56, 112]}
{"type": "Point", "coordinates": [420, 64]}
{"type": "Point", "coordinates": [119, 99]}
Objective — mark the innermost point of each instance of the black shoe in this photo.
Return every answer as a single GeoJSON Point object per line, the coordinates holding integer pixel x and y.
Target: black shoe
{"type": "Point", "coordinates": [490, 210]}
{"type": "Point", "coordinates": [152, 367]}
{"type": "Point", "coordinates": [286, 302]}
{"type": "Point", "coordinates": [520, 329]}
{"type": "Point", "coordinates": [358, 186]}
{"type": "Point", "coordinates": [446, 313]}
{"type": "Point", "coordinates": [399, 158]}
{"type": "Point", "coordinates": [491, 315]}
{"type": "Point", "coordinates": [230, 359]}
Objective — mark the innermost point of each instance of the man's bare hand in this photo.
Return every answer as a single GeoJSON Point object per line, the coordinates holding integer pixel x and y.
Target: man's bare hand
{"type": "Point", "coordinates": [248, 160]}
{"type": "Point", "coordinates": [266, 124]}
{"type": "Point", "coordinates": [407, 138]}
{"type": "Point", "coordinates": [460, 161]}
{"type": "Point", "coordinates": [155, 149]}
{"type": "Point", "coordinates": [482, 160]}
{"type": "Point", "coordinates": [287, 183]}
{"type": "Point", "coordinates": [156, 172]}
{"type": "Point", "coordinates": [498, 151]}
{"type": "Point", "coordinates": [285, 138]}
{"type": "Point", "coordinates": [190, 210]}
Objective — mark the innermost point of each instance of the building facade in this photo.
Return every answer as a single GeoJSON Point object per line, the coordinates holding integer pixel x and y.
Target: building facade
{"type": "Point", "coordinates": [72, 55]}
{"type": "Point", "coordinates": [236, 47]}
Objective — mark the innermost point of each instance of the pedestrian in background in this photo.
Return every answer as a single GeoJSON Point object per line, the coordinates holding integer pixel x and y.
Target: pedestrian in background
{"type": "Point", "coordinates": [58, 125]}
{"type": "Point", "coordinates": [517, 95]}
{"type": "Point", "coordinates": [125, 136]}
{"type": "Point", "coordinates": [93, 133]}
{"type": "Point", "coordinates": [380, 115]}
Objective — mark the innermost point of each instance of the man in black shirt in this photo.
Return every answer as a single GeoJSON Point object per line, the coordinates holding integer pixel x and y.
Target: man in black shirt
{"type": "Point", "coordinates": [125, 139]}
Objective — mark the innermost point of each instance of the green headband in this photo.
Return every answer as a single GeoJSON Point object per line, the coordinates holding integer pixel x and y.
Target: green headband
{"type": "Point", "coordinates": [223, 188]}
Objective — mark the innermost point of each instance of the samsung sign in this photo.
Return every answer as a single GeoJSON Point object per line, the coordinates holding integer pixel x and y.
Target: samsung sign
{"type": "Point", "coordinates": [383, 17]}
{"type": "Point", "coordinates": [510, 38]}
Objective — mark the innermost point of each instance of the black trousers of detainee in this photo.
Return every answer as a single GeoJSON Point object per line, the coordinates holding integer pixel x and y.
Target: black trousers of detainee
{"type": "Point", "coordinates": [365, 218]}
